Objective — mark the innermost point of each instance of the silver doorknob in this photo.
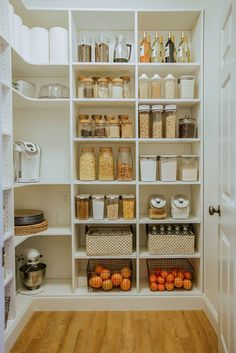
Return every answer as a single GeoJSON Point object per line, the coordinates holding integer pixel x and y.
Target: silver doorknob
{"type": "Point", "coordinates": [212, 210]}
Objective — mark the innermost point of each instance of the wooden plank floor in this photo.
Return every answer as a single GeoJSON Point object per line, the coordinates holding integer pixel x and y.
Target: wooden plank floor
{"type": "Point", "coordinates": [117, 332]}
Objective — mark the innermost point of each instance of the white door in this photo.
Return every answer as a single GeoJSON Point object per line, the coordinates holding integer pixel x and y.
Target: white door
{"type": "Point", "coordinates": [227, 185]}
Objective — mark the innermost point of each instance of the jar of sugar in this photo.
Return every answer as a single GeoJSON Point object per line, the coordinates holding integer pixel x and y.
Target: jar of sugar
{"type": "Point", "coordinates": [188, 168]}
{"type": "Point", "coordinates": [148, 168]}
{"type": "Point", "coordinates": [168, 168]}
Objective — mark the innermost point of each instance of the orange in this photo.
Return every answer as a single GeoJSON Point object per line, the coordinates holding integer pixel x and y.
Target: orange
{"type": "Point", "coordinates": [116, 279]}
{"type": "Point", "coordinates": [125, 272]}
{"type": "Point", "coordinates": [107, 285]}
{"type": "Point", "coordinates": [161, 287]}
{"type": "Point", "coordinates": [95, 282]}
{"type": "Point", "coordinates": [180, 274]}
{"type": "Point", "coordinates": [153, 286]}
{"type": "Point", "coordinates": [98, 269]}
{"type": "Point", "coordinates": [160, 280]}
{"type": "Point", "coordinates": [105, 274]}
{"type": "Point", "coordinates": [164, 274]}
{"type": "Point", "coordinates": [187, 284]}
{"type": "Point", "coordinates": [152, 279]}
{"type": "Point", "coordinates": [125, 284]}
{"type": "Point", "coordinates": [178, 282]}
{"type": "Point", "coordinates": [169, 278]}
{"type": "Point", "coordinates": [187, 275]}
{"type": "Point", "coordinates": [169, 286]}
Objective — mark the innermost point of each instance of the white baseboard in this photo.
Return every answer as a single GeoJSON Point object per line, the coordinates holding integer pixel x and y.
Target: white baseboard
{"type": "Point", "coordinates": [211, 313]}
{"type": "Point", "coordinates": [198, 302]}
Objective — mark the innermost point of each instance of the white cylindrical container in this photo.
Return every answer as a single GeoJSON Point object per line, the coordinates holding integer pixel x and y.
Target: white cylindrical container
{"type": "Point", "coordinates": [168, 168]}
{"type": "Point", "coordinates": [58, 38]}
{"type": "Point", "coordinates": [148, 168]}
{"type": "Point", "coordinates": [169, 87]}
{"type": "Point", "coordinates": [26, 43]}
{"type": "Point", "coordinates": [186, 87]}
{"type": "Point", "coordinates": [188, 168]}
{"type": "Point", "coordinates": [98, 204]}
{"type": "Point", "coordinates": [180, 207]}
{"type": "Point", "coordinates": [39, 45]}
{"type": "Point", "coordinates": [11, 24]}
{"type": "Point", "coordinates": [143, 86]}
{"type": "Point", "coordinates": [18, 34]}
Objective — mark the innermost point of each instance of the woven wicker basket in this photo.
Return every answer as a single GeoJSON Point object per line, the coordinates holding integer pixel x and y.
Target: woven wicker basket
{"type": "Point", "coordinates": [31, 229]}
{"type": "Point", "coordinates": [171, 244]}
{"type": "Point", "coordinates": [109, 241]}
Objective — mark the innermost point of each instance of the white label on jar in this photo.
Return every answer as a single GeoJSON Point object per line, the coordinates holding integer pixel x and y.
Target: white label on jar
{"type": "Point", "coordinates": [167, 52]}
{"type": "Point", "coordinates": [142, 50]}
{"type": "Point", "coordinates": [180, 52]}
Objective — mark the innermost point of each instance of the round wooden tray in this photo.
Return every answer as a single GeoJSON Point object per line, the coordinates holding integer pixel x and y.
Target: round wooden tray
{"type": "Point", "coordinates": [32, 229]}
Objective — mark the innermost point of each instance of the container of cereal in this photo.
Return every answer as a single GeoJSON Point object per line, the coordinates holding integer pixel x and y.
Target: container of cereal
{"type": "Point", "coordinates": [170, 121]}
{"type": "Point", "coordinates": [113, 206]}
{"type": "Point", "coordinates": [168, 168]}
{"type": "Point", "coordinates": [157, 121]}
{"type": "Point", "coordinates": [98, 206]}
{"type": "Point", "coordinates": [124, 164]}
{"type": "Point", "coordinates": [144, 121]}
{"type": "Point", "coordinates": [188, 168]}
{"type": "Point", "coordinates": [128, 206]}
{"type": "Point", "coordinates": [83, 206]}
{"type": "Point", "coordinates": [148, 168]}
{"type": "Point", "coordinates": [106, 164]}
{"type": "Point", "coordinates": [87, 164]}
{"type": "Point", "coordinates": [155, 85]}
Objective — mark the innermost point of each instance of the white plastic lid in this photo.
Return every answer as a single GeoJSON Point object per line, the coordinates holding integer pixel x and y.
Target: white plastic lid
{"type": "Point", "coordinates": [180, 201]}
{"type": "Point", "coordinates": [156, 77]}
{"type": "Point", "coordinates": [158, 201]}
{"type": "Point", "coordinates": [98, 196]}
{"type": "Point", "coordinates": [187, 77]}
{"type": "Point", "coordinates": [143, 77]}
{"type": "Point", "coordinates": [113, 196]}
{"type": "Point", "coordinates": [83, 196]}
{"type": "Point", "coordinates": [169, 77]}
{"type": "Point", "coordinates": [128, 196]}
{"type": "Point", "coordinates": [144, 108]}
{"type": "Point", "coordinates": [157, 107]}
{"type": "Point", "coordinates": [170, 107]}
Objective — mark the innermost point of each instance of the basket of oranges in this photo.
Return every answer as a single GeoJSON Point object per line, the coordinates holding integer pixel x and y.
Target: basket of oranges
{"type": "Point", "coordinates": [170, 274]}
{"type": "Point", "coordinates": [109, 275]}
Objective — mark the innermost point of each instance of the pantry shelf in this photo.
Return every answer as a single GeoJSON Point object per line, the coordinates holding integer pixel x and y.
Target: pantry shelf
{"type": "Point", "coordinates": [99, 140]}
{"type": "Point", "coordinates": [181, 103]}
{"type": "Point", "coordinates": [105, 220]}
{"type": "Point", "coordinates": [166, 140]}
{"type": "Point", "coordinates": [98, 182]}
{"type": "Point", "coordinates": [164, 69]}
{"type": "Point", "coordinates": [22, 68]}
{"type": "Point", "coordinates": [100, 67]}
{"type": "Point", "coordinates": [81, 254]}
{"type": "Point", "coordinates": [42, 182]}
{"type": "Point", "coordinates": [170, 183]}
{"type": "Point", "coordinates": [22, 102]}
{"type": "Point", "coordinates": [144, 290]}
{"type": "Point", "coordinates": [191, 219]}
{"type": "Point", "coordinates": [144, 254]}
{"type": "Point", "coordinates": [107, 103]}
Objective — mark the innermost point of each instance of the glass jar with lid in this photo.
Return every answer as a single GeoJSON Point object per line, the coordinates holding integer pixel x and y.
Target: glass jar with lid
{"type": "Point", "coordinates": [86, 128]}
{"type": "Point", "coordinates": [126, 86]}
{"type": "Point", "coordinates": [144, 121]}
{"type": "Point", "coordinates": [109, 78]}
{"type": "Point", "coordinates": [180, 207]}
{"type": "Point", "coordinates": [106, 164]}
{"type": "Point", "coordinates": [128, 206]}
{"type": "Point", "coordinates": [87, 86]}
{"type": "Point", "coordinates": [113, 206]}
{"type": "Point", "coordinates": [80, 87]}
{"type": "Point", "coordinates": [157, 207]}
{"type": "Point", "coordinates": [187, 127]}
{"type": "Point", "coordinates": [114, 128]}
{"type": "Point", "coordinates": [100, 125]}
{"type": "Point", "coordinates": [95, 86]}
{"type": "Point", "coordinates": [188, 168]}
{"type": "Point", "coordinates": [83, 206]}
{"type": "Point", "coordinates": [117, 88]}
{"type": "Point", "coordinates": [170, 121]}
{"type": "Point", "coordinates": [124, 164]}
{"type": "Point", "coordinates": [157, 121]}
{"type": "Point", "coordinates": [126, 126]}
{"type": "Point", "coordinates": [87, 164]}
{"type": "Point", "coordinates": [148, 167]}
{"type": "Point", "coordinates": [82, 118]}
{"type": "Point", "coordinates": [85, 49]}
{"type": "Point", "coordinates": [102, 88]}
{"type": "Point", "coordinates": [143, 86]}
{"type": "Point", "coordinates": [98, 206]}
{"type": "Point", "coordinates": [155, 86]}
{"type": "Point", "coordinates": [168, 167]}
{"type": "Point", "coordinates": [101, 49]}
{"type": "Point", "coordinates": [169, 83]}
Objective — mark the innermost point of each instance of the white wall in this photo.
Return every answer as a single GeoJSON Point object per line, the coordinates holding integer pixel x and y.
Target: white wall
{"type": "Point", "coordinates": [211, 106]}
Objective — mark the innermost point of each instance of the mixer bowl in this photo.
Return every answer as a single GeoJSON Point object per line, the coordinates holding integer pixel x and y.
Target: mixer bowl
{"type": "Point", "coordinates": [32, 276]}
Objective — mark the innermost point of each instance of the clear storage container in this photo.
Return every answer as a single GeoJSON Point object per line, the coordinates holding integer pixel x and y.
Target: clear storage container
{"type": "Point", "coordinates": [82, 118]}
{"type": "Point", "coordinates": [114, 128]}
{"type": "Point", "coordinates": [186, 87]}
{"type": "Point", "coordinates": [143, 85]}
{"type": "Point", "coordinates": [144, 121]}
{"type": "Point", "coordinates": [170, 121]}
{"type": "Point", "coordinates": [187, 127]}
{"type": "Point", "coordinates": [100, 126]}
{"type": "Point", "coordinates": [168, 168]}
{"type": "Point", "coordinates": [126, 126]}
{"type": "Point", "coordinates": [85, 128]}
{"type": "Point", "coordinates": [126, 87]}
{"type": "Point", "coordinates": [87, 164]}
{"type": "Point", "coordinates": [188, 168]}
{"type": "Point", "coordinates": [101, 49]}
{"type": "Point", "coordinates": [169, 83]}
{"type": "Point", "coordinates": [155, 86]}
{"type": "Point", "coordinates": [124, 164]}
{"type": "Point", "coordinates": [83, 206]}
{"type": "Point", "coordinates": [148, 168]}
{"type": "Point", "coordinates": [85, 89]}
{"type": "Point", "coordinates": [98, 205]}
{"type": "Point", "coordinates": [157, 121]}
{"type": "Point", "coordinates": [95, 86]}
{"type": "Point", "coordinates": [113, 206]}
{"type": "Point", "coordinates": [180, 207]}
{"type": "Point", "coordinates": [106, 164]}
{"type": "Point", "coordinates": [128, 206]}
{"type": "Point", "coordinates": [102, 88]}
{"type": "Point", "coordinates": [117, 88]}
{"type": "Point", "coordinates": [85, 49]}
{"type": "Point", "coordinates": [157, 207]}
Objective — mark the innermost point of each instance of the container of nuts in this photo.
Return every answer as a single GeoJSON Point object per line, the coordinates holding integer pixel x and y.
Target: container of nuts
{"type": "Point", "coordinates": [106, 164]}
{"type": "Point", "coordinates": [144, 121]}
{"type": "Point", "coordinates": [124, 164]}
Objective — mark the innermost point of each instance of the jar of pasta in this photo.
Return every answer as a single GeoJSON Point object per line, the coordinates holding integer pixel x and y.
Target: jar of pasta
{"type": "Point", "coordinates": [170, 121]}
{"type": "Point", "coordinates": [102, 88]}
{"type": "Point", "coordinates": [157, 121]}
{"type": "Point", "coordinates": [126, 86]}
{"type": "Point", "coordinates": [106, 164]}
{"type": "Point", "coordinates": [124, 164]}
{"type": "Point", "coordinates": [128, 206]}
{"type": "Point", "coordinates": [87, 164]}
{"type": "Point", "coordinates": [113, 206]}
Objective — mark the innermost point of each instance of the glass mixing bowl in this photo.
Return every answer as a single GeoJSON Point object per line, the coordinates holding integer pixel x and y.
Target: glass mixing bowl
{"type": "Point", "coordinates": [54, 91]}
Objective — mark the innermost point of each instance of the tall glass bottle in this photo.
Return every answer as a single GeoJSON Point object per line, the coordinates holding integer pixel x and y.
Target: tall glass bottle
{"type": "Point", "coordinates": [175, 51]}
{"type": "Point", "coordinates": [183, 55]}
{"type": "Point", "coordinates": [144, 50]}
{"type": "Point", "coordinates": [169, 50]}
{"type": "Point", "coordinates": [157, 49]}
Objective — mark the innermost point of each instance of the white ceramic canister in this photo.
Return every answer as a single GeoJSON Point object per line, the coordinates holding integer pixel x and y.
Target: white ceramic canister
{"type": "Point", "coordinates": [186, 87]}
{"type": "Point", "coordinates": [58, 39]}
{"type": "Point", "coordinates": [180, 207]}
{"type": "Point", "coordinates": [39, 45]}
{"type": "Point", "coordinates": [98, 204]}
{"type": "Point", "coordinates": [148, 168]}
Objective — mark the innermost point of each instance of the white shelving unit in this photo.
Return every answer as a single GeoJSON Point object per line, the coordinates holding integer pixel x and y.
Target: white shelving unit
{"type": "Point", "coordinates": [52, 124]}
